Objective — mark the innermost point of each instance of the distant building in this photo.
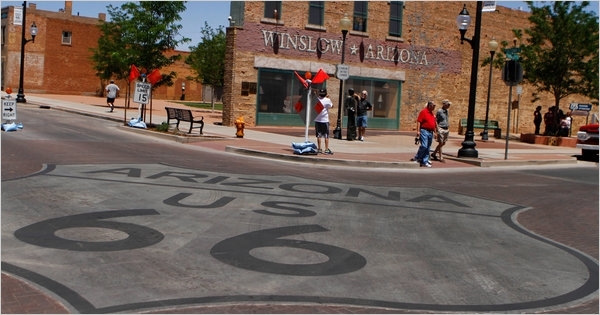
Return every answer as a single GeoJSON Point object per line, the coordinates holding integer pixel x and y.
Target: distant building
{"type": "Point", "coordinates": [58, 62]}
{"type": "Point", "coordinates": [402, 53]}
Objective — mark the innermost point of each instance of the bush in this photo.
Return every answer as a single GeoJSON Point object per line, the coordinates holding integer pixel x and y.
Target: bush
{"type": "Point", "coordinates": [163, 127]}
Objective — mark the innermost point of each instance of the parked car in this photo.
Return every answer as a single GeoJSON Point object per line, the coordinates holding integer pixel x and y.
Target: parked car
{"type": "Point", "coordinates": [587, 140]}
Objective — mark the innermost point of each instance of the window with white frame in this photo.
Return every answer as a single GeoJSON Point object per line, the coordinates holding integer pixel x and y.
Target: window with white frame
{"type": "Point", "coordinates": [66, 37]}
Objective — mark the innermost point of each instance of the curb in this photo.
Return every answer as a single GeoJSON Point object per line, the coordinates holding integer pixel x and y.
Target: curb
{"type": "Point", "coordinates": [308, 159]}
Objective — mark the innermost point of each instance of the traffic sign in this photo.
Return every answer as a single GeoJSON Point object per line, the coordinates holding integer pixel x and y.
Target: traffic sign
{"type": "Point", "coordinates": [9, 109]}
{"type": "Point", "coordinates": [512, 53]}
{"type": "Point", "coordinates": [519, 89]}
{"type": "Point", "coordinates": [583, 107]}
{"type": "Point", "coordinates": [342, 72]}
{"type": "Point", "coordinates": [142, 93]}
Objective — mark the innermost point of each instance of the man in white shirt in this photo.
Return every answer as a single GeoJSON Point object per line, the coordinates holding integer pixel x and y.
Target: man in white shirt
{"type": "Point", "coordinates": [322, 121]}
{"type": "Point", "coordinates": [111, 93]}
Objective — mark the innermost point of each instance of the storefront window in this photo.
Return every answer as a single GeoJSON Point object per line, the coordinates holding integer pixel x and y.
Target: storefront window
{"type": "Point", "coordinates": [383, 95]}
{"type": "Point", "coordinates": [279, 91]}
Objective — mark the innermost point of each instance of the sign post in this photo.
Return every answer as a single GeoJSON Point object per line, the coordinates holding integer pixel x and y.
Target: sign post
{"type": "Point", "coordinates": [9, 109]}
{"type": "Point", "coordinates": [141, 96]}
{"type": "Point", "coordinates": [578, 109]}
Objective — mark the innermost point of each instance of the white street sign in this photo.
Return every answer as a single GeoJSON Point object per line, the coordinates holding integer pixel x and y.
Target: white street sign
{"type": "Point", "coordinates": [343, 72]}
{"type": "Point", "coordinates": [519, 89]}
{"type": "Point", "coordinates": [142, 93]}
{"type": "Point", "coordinates": [489, 6]}
{"type": "Point", "coordinates": [9, 109]}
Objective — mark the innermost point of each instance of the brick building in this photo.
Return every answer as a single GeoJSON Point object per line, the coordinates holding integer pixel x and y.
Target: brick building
{"type": "Point", "coordinates": [402, 53]}
{"type": "Point", "coordinates": [58, 61]}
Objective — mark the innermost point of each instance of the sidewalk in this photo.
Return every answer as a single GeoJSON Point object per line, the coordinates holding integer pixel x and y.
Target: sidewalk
{"type": "Point", "coordinates": [381, 148]}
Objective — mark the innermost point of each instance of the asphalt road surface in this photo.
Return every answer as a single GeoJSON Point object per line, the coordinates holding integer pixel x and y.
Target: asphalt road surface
{"type": "Point", "coordinates": [106, 220]}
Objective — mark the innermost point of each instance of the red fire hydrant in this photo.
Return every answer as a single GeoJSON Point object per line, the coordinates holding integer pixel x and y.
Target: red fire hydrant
{"type": "Point", "coordinates": [239, 124]}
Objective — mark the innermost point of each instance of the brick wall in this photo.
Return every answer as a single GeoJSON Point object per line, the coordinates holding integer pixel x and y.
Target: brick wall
{"type": "Point", "coordinates": [428, 26]}
{"type": "Point", "coordinates": [52, 67]}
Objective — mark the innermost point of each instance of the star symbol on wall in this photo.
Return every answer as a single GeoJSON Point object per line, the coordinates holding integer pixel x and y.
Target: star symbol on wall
{"type": "Point", "coordinates": [353, 49]}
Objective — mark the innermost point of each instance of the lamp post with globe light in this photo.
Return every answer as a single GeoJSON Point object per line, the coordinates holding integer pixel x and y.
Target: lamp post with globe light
{"type": "Point", "coordinates": [463, 21]}
{"type": "Point", "coordinates": [33, 30]}
{"type": "Point", "coordinates": [345, 24]}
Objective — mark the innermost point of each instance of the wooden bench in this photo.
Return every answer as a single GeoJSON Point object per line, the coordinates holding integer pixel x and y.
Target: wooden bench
{"type": "Point", "coordinates": [186, 115]}
{"type": "Point", "coordinates": [480, 124]}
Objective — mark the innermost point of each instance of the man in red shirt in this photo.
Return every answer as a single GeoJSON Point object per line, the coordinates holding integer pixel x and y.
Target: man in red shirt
{"type": "Point", "coordinates": [426, 124]}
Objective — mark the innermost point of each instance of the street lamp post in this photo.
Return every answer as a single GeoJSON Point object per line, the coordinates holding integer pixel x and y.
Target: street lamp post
{"type": "Point", "coordinates": [492, 45]}
{"type": "Point", "coordinates": [33, 31]}
{"type": "Point", "coordinates": [345, 24]}
{"type": "Point", "coordinates": [463, 21]}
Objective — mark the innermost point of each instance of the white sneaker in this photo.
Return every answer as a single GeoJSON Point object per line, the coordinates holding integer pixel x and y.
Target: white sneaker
{"type": "Point", "coordinates": [362, 139]}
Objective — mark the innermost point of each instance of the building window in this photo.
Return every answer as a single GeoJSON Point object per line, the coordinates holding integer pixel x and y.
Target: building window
{"type": "Point", "coordinates": [396, 8]}
{"type": "Point", "coordinates": [66, 38]}
{"type": "Point", "coordinates": [279, 91]}
{"type": "Point", "coordinates": [382, 94]}
{"type": "Point", "coordinates": [316, 10]}
{"type": "Point", "coordinates": [270, 7]}
{"type": "Point", "coordinates": [3, 34]}
{"type": "Point", "coordinates": [360, 16]}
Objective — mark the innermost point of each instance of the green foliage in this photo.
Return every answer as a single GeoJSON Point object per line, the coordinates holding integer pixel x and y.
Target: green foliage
{"type": "Point", "coordinates": [208, 58]}
{"type": "Point", "coordinates": [140, 34]}
{"type": "Point", "coordinates": [560, 54]}
{"type": "Point", "coordinates": [163, 127]}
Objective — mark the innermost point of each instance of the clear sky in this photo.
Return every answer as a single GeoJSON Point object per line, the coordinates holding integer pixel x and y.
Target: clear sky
{"type": "Point", "coordinates": [213, 12]}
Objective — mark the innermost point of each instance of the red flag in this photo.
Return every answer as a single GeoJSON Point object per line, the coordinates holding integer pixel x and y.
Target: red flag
{"type": "Point", "coordinates": [301, 80]}
{"type": "Point", "coordinates": [134, 73]}
{"type": "Point", "coordinates": [319, 107]}
{"type": "Point", "coordinates": [154, 76]}
{"type": "Point", "coordinates": [298, 106]}
{"type": "Point", "coordinates": [320, 77]}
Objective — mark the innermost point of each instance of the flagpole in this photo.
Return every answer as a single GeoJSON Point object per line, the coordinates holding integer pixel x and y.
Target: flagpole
{"type": "Point", "coordinates": [307, 112]}
{"type": "Point", "coordinates": [127, 95]}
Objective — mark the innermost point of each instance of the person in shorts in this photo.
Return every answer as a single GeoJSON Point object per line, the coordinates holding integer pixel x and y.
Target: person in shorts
{"type": "Point", "coordinates": [322, 121]}
{"type": "Point", "coordinates": [443, 125]}
{"type": "Point", "coordinates": [111, 93]}
{"type": "Point", "coordinates": [361, 115]}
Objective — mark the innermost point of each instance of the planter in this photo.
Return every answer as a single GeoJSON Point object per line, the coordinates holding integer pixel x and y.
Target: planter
{"type": "Point", "coordinates": [548, 140]}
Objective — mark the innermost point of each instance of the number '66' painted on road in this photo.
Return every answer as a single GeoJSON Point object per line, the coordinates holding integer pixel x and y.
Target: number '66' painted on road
{"type": "Point", "coordinates": [234, 251]}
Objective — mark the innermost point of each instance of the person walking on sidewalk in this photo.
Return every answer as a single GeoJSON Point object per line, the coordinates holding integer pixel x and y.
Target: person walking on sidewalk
{"type": "Point", "coordinates": [426, 125]}
{"type": "Point", "coordinates": [322, 121]}
{"type": "Point", "coordinates": [361, 115]}
{"type": "Point", "coordinates": [111, 93]}
{"type": "Point", "coordinates": [441, 117]}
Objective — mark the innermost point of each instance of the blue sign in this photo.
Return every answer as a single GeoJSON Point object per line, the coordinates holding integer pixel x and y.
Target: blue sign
{"type": "Point", "coordinates": [583, 107]}
{"type": "Point", "coordinates": [512, 53]}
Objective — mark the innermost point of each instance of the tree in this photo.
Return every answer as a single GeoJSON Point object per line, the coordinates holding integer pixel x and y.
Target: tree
{"type": "Point", "coordinates": [139, 33]}
{"type": "Point", "coordinates": [560, 56]}
{"type": "Point", "coordinates": [561, 53]}
{"type": "Point", "coordinates": [208, 58]}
